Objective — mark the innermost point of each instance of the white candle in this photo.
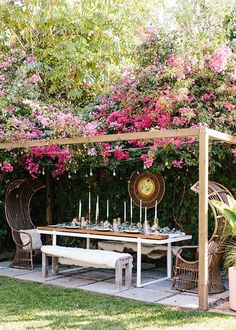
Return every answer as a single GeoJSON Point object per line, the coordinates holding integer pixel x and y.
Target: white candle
{"type": "Point", "coordinates": [140, 210]}
{"type": "Point", "coordinates": [145, 214]}
{"type": "Point", "coordinates": [131, 210]}
{"type": "Point", "coordinates": [96, 213]}
{"type": "Point", "coordinates": [107, 209]}
{"type": "Point", "coordinates": [155, 216]}
{"type": "Point", "coordinates": [124, 211]}
{"type": "Point", "coordinates": [89, 202]}
{"type": "Point", "coordinates": [97, 208]}
{"type": "Point", "coordinates": [80, 207]}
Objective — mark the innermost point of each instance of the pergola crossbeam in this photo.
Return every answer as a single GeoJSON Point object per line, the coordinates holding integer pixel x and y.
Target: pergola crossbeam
{"type": "Point", "coordinates": [153, 134]}
{"type": "Point", "coordinates": [222, 136]}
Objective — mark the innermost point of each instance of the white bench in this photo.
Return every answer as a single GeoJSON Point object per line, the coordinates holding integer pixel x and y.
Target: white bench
{"type": "Point", "coordinates": [88, 258]}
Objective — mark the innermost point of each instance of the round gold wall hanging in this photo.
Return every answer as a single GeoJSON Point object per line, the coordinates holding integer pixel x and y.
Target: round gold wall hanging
{"type": "Point", "coordinates": [148, 187]}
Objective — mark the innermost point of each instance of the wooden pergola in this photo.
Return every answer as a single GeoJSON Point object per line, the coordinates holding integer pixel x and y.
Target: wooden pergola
{"type": "Point", "coordinates": [203, 134]}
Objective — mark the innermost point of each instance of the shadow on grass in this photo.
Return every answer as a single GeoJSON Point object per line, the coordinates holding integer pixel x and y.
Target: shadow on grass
{"type": "Point", "coordinates": [24, 305]}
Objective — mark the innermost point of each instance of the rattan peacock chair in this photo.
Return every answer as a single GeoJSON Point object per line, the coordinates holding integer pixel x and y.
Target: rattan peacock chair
{"type": "Point", "coordinates": [186, 272]}
{"type": "Point", "coordinates": [17, 210]}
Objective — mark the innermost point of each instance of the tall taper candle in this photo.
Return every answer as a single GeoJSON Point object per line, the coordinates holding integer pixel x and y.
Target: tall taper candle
{"type": "Point", "coordinates": [131, 211]}
{"type": "Point", "coordinates": [89, 202]}
{"type": "Point", "coordinates": [124, 211]}
{"type": "Point", "coordinates": [145, 214]}
{"type": "Point", "coordinates": [89, 207]}
{"type": "Point", "coordinates": [140, 205]}
{"type": "Point", "coordinates": [80, 207]}
{"type": "Point", "coordinates": [107, 209]}
{"type": "Point", "coordinates": [96, 214]}
{"type": "Point", "coordinates": [155, 216]}
{"type": "Point", "coordinates": [97, 207]}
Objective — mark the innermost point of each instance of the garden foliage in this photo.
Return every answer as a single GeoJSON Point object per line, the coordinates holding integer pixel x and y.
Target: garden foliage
{"type": "Point", "coordinates": [55, 57]}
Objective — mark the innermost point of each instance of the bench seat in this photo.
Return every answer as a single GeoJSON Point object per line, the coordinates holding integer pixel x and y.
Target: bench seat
{"type": "Point", "coordinates": [88, 258]}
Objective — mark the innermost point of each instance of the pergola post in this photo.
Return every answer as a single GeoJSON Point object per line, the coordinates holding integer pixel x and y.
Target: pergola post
{"type": "Point", "coordinates": [203, 218]}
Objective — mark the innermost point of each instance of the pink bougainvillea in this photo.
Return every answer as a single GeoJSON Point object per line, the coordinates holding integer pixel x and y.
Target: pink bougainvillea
{"type": "Point", "coordinates": [178, 163]}
{"type": "Point", "coordinates": [219, 59]}
{"type": "Point", "coordinates": [7, 167]}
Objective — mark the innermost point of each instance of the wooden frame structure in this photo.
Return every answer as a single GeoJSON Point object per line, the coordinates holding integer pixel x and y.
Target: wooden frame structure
{"type": "Point", "coordinates": [204, 134]}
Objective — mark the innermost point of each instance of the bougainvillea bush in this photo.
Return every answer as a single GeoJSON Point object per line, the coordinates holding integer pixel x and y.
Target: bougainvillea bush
{"type": "Point", "coordinates": [26, 115]}
{"type": "Point", "coordinates": [171, 93]}
{"type": "Point", "coordinates": [167, 91]}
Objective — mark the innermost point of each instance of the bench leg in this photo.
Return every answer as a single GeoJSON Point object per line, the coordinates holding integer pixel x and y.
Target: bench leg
{"type": "Point", "coordinates": [55, 265]}
{"type": "Point", "coordinates": [128, 273]}
{"type": "Point", "coordinates": [44, 265]}
{"type": "Point", "coordinates": [118, 274]}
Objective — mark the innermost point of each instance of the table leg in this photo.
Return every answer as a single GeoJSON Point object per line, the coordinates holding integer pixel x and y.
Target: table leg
{"type": "Point", "coordinates": [87, 243]}
{"type": "Point", "coordinates": [54, 239]}
{"type": "Point", "coordinates": [139, 263]}
{"type": "Point", "coordinates": [169, 261]}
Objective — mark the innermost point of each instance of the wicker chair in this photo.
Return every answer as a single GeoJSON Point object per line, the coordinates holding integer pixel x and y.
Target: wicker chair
{"type": "Point", "coordinates": [186, 272]}
{"type": "Point", "coordinates": [17, 210]}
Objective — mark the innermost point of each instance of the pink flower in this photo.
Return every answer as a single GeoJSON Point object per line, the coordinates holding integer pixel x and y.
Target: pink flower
{"type": "Point", "coordinates": [234, 152]}
{"type": "Point", "coordinates": [7, 167]}
{"type": "Point", "coordinates": [92, 152]}
{"type": "Point", "coordinates": [178, 163]}
{"type": "Point", "coordinates": [120, 153]}
{"type": "Point", "coordinates": [172, 60]}
{"type": "Point", "coordinates": [148, 160]}
{"type": "Point", "coordinates": [35, 78]}
{"type": "Point", "coordinates": [218, 60]}
{"type": "Point", "coordinates": [228, 105]}
{"type": "Point", "coordinates": [207, 97]}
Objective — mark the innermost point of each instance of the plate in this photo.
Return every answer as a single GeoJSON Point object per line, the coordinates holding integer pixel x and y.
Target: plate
{"type": "Point", "coordinates": [132, 231]}
{"type": "Point", "coordinates": [59, 225]}
{"type": "Point", "coordinates": [102, 229]}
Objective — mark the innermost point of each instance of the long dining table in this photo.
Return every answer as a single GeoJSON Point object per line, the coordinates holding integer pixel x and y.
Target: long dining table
{"type": "Point", "coordinates": [138, 238]}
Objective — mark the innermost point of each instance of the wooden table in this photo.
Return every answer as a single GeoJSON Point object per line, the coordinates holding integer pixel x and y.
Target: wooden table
{"type": "Point", "coordinates": [139, 239]}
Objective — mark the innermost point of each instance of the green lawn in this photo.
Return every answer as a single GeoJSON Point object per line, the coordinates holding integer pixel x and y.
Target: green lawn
{"type": "Point", "coordinates": [25, 305]}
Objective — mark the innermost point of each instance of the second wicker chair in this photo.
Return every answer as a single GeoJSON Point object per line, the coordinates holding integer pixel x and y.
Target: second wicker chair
{"type": "Point", "coordinates": [186, 271]}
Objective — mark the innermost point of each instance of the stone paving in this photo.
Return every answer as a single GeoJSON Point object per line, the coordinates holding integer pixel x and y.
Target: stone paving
{"type": "Point", "coordinates": [102, 281]}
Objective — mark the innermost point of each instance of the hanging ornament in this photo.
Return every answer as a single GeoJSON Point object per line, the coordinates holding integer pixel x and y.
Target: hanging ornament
{"type": "Point", "coordinates": [114, 172]}
{"type": "Point", "coordinates": [69, 176]}
{"type": "Point", "coordinates": [91, 171]}
{"type": "Point", "coordinates": [43, 171]}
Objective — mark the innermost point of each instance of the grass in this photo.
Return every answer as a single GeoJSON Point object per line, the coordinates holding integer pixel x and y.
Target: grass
{"type": "Point", "coordinates": [25, 305]}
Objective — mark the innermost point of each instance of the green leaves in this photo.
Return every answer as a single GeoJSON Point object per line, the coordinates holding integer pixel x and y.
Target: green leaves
{"type": "Point", "coordinates": [228, 211]}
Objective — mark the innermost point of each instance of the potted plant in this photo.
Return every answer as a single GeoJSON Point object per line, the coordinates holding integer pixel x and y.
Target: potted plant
{"type": "Point", "coordinates": [229, 212]}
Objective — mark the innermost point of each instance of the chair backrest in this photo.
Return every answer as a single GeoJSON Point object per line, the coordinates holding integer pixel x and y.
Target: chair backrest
{"type": "Point", "coordinates": [217, 192]}
{"type": "Point", "coordinates": [18, 196]}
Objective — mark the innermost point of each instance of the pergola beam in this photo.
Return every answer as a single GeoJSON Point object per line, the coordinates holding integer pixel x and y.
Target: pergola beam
{"type": "Point", "coordinates": [153, 134]}
{"type": "Point", "coordinates": [222, 136]}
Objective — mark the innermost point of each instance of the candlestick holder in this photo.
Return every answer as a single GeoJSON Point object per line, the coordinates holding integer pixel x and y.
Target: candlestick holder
{"type": "Point", "coordinates": [146, 227]}
{"type": "Point", "coordinates": [155, 226]}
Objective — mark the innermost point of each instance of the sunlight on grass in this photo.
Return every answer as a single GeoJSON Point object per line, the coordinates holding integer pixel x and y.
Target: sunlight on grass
{"type": "Point", "coordinates": [25, 305]}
